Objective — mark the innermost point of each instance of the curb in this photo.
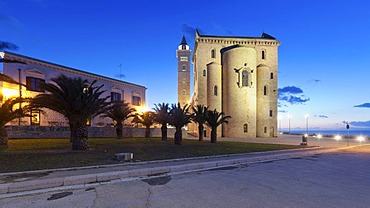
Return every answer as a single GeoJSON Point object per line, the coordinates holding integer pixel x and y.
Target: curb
{"type": "Point", "coordinates": [17, 187]}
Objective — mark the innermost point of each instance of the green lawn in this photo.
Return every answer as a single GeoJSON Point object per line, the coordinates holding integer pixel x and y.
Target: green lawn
{"type": "Point", "coordinates": [37, 154]}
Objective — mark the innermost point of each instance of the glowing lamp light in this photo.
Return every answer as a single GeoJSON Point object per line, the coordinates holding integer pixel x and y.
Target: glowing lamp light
{"type": "Point", "coordinates": [305, 135]}
{"type": "Point", "coordinates": [360, 138]}
{"type": "Point", "coordinates": [337, 137]}
{"type": "Point", "coordinates": [142, 109]}
{"type": "Point", "coordinates": [319, 136]}
{"type": "Point", "coordinates": [8, 92]}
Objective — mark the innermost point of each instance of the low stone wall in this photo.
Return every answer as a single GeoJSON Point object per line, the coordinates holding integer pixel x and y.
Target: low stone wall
{"type": "Point", "coordinates": [64, 132]}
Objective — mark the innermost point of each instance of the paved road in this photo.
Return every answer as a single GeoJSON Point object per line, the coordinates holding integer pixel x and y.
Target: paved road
{"type": "Point", "coordinates": [339, 179]}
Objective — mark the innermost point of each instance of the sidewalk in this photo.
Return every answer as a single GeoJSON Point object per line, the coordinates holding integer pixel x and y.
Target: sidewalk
{"type": "Point", "coordinates": [21, 183]}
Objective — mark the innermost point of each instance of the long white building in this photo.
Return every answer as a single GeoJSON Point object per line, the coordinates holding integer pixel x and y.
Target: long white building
{"type": "Point", "coordinates": [32, 72]}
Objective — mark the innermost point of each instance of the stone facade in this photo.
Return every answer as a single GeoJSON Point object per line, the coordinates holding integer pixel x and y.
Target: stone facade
{"type": "Point", "coordinates": [238, 76]}
{"type": "Point", "coordinates": [34, 71]}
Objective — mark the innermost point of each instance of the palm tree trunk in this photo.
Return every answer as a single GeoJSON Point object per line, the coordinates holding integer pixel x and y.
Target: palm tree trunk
{"type": "Point", "coordinates": [119, 130]}
{"type": "Point", "coordinates": [200, 131]}
{"type": "Point", "coordinates": [178, 136]}
{"type": "Point", "coordinates": [164, 132]}
{"type": "Point", "coordinates": [79, 136]}
{"type": "Point", "coordinates": [3, 137]}
{"type": "Point", "coordinates": [214, 135]}
{"type": "Point", "coordinates": [147, 132]}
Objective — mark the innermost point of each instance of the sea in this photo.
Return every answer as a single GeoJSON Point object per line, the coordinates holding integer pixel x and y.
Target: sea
{"type": "Point", "coordinates": [330, 132]}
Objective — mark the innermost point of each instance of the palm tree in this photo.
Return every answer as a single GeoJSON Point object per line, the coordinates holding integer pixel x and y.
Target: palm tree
{"type": "Point", "coordinates": [7, 114]}
{"type": "Point", "coordinates": [118, 111]}
{"type": "Point", "coordinates": [179, 117]}
{"type": "Point", "coordinates": [146, 119]}
{"type": "Point", "coordinates": [77, 100]}
{"type": "Point", "coordinates": [199, 117]}
{"type": "Point", "coordinates": [161, 116]}
{"type": "Point", "coordinates": [213, 120]}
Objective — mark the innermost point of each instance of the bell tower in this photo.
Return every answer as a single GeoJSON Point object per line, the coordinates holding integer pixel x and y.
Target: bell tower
{"type": "Point", "coordinates": [183, 72]}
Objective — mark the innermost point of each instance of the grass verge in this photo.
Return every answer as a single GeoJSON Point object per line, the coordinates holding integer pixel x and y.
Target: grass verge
{"type": "Point", "coordinates": [38, 154]}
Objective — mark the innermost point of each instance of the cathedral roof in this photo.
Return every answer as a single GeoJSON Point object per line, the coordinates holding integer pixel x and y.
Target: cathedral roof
{"type": "Point", "coordinates": [263, 36]}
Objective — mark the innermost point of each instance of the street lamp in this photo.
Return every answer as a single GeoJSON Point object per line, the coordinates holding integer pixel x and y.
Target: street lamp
{"type": "Point", "coordinates": [289, 116]}
{"type": "Point", "coordinates": [279, 118]}
{"type": "Point", "coordinates": [306, 117]}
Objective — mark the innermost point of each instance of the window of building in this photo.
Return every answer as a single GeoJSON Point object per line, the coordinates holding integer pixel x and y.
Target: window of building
{"type": "Point", "coordinates": [136, 100]}
{"type": "Point", "coordinates": [271, 75]}
{"type": "Point", "coordinates": [184, 92]}
{"type": "Point", "coordinates": [204, 73]}
{"type": "Point", "coordinates": [88, 121]}
{"type": "Point", "coordinates": [270, 113]}
{"type": "Point", "coordinates": [215, 90]}
{"type": "Point", "coordinates": [245, 128]}
{"type": "Point", "coordinates": [35, 118]}
{"type": "Point", "coordinates": [263, 54]}
{"type": "Point", "coordinates": [265, 129]}
{"type": "Point", "coordinates": [115, 96]}
{"type": "Point", "coordinates": [183, 68]}
{"type": "Point", "coordinates": [34, 84]}
{"type": "Point", "coordinates": [245, 78]}
{"type": "Point", "coordinates": [264, 90]}
{"type": "Point", "coordinates": [213, 53]}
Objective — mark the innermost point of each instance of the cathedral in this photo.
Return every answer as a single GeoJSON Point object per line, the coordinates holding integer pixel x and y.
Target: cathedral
{"type": "Point", "coordinates": [234, 75]}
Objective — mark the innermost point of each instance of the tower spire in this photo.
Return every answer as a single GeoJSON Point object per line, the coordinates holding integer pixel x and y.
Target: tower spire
{"type": "Point", "coordinates": [183, 45]}
{"type": "Point", "coordinates": [183, 41]}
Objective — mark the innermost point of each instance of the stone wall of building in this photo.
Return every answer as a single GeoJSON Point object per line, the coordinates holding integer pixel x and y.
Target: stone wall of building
{"type": "Point", "coordinates": [64, 132]}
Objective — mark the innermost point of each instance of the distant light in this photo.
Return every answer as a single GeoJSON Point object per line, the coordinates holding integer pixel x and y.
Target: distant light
{"type": "Point", "coordinates": [305, 135]}
{"type": "Point", "coordinates": [338, 137]}
{"type": "Point", "coordinates": [319, 136]}
{"type": "Point", "coordinates": [360, 138]}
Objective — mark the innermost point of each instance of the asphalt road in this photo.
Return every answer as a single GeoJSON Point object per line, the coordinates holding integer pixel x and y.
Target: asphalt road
{"type": "Point", "coordinates": [339, 179]}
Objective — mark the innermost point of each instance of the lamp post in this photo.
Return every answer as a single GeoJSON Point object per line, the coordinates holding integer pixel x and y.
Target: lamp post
{"type": "Point", "coordinates": [279, 118]}
{"type": "Point", "coordinates": [289, 116]}
{"type": "Point", "coordinates": [347, 127]}
{"type": "Point", "coordinates": [306, 116]}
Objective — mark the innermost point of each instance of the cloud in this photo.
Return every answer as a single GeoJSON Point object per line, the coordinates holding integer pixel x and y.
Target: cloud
{"type": "Point", "coordinates": [293, 95]}
{"type": "Point", "coordinates": [363, 105]}
{"type": "Point", "coordinates": [360, 123]}
{"type": "Point", "coordinates": [291, 90]}
{"type": "Point", "coordinates": [282, 111]}
{"type": "Point", "coordinates": [321, 116]}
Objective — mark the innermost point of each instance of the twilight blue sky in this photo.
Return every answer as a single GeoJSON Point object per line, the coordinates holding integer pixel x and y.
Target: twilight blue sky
{"type": "Point", "coordinates": [323, 59]}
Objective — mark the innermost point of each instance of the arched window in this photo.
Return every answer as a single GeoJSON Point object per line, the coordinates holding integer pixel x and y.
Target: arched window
{"type": "Point", "coordinates": [265, 129]}
{"type": "Point", "coordinates": [215, 90]}
{"type": "Point", "coordinates": [245, 128]}
{"type": "Point", "coordinates": [264, 90]}
{"type": "Point", "coordinates": [271, 75]}
{"type": "Point", "coordinates": [204, 73]}
{"type": "Point", "coordinates": [270, 113]}
{"type": "Point", "coordinates": [183, 68]}
{"type": "Point", "coordinates": [184, 92]}
{"type": "Point", "coordinates": [245, 78]}
{"type": "Point", "coordinates": [263, 54]}
{"type": "Point", "coordinates": [213, 53]}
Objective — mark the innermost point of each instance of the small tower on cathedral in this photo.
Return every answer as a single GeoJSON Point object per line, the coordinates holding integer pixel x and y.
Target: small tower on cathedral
{"type": "Point", "coordinates": [183, 72]}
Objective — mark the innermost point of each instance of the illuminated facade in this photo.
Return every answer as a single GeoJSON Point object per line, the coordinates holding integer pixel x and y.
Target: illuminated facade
{"type": "Point", "coordinates": [34, 72]}
{"type": "Point", "coordinates": [238, 76]}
